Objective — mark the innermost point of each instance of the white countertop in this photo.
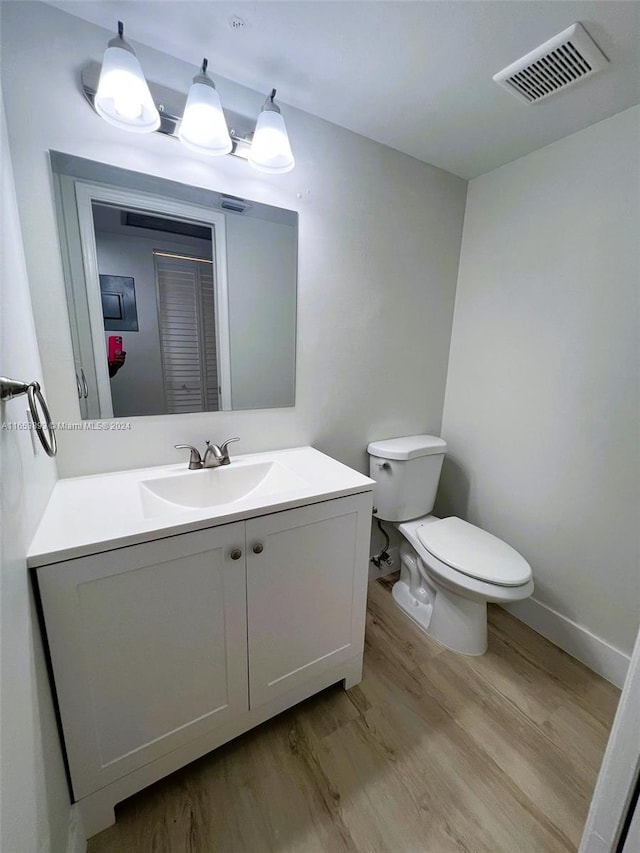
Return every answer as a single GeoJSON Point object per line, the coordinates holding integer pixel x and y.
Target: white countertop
{"type": "Point", "coordinates": [88, 515]}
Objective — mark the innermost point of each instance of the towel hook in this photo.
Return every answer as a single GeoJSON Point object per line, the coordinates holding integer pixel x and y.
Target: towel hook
{"type": "Point", "coordinates": [10, 388]}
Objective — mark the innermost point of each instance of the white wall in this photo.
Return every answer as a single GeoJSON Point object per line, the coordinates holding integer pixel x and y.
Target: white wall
{"type": "Point", "coordinates": [379, 242]}
{"type": "Point", "coordinates": [34, 803]}
{"type": "Point", "coordinates": [541, 411]}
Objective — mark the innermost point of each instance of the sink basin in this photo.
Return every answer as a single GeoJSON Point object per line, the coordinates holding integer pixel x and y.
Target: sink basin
{"type": "Point", "coordinates": [215, 486]}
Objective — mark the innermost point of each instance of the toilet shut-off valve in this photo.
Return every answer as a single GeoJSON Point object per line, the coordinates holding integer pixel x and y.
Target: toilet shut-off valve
{"type": "Point", "coordinates": [382, 558]}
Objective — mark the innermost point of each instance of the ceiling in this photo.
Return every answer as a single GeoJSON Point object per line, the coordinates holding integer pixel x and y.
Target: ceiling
{"type": "Point", "coordinates": [415, 76]}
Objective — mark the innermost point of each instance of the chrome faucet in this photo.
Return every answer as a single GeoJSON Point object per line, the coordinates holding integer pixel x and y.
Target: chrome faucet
{"type": "Point", "coordinates": [214, 456]}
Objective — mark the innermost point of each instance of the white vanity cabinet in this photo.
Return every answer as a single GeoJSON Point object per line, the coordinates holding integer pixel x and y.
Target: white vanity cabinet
{"type": "Point", "coordinates": [305, 593]}
{"type": "Point", "coordinates": [149, 648]}
{"type": "Point", "coordinates": [162, 651]}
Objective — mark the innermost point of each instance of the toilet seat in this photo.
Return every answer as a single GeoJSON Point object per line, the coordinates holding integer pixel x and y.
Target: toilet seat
{"type": "Point", "coordinates": [474, 552]}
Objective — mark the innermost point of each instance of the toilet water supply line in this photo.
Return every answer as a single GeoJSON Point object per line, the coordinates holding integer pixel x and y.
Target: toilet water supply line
{"type": "Point", "coordinates": [382, 557]}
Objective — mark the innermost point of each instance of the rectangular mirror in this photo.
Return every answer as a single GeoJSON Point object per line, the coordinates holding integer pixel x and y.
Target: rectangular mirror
{"type": "Point", "coordinates": [180, 299]}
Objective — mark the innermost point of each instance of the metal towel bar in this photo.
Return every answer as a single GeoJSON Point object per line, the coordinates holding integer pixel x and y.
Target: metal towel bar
{"type": "Point", "coordinates": [10, 388]}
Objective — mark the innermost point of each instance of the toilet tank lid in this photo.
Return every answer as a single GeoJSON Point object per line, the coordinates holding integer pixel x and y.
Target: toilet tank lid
{"type": "Point", "coordinates": [409, 447]}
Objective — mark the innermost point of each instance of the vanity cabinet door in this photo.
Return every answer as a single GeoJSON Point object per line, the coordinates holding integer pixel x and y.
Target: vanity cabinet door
{"type": "Point", "coordinates": [149, 648]}
{"type": "Point", "coordinates": [307, 571]}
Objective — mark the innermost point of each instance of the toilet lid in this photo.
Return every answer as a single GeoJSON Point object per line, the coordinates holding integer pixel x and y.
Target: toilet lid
{"type": "Point", "coordinates": [474, 552]}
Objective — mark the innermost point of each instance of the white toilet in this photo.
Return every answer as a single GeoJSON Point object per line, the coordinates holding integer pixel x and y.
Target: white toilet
{"type": "Point", "coordinates": [450, 569]}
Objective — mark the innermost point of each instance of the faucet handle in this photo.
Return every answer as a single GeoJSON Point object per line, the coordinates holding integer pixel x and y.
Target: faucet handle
{"type": "Point", "coordinates": [225, 453]}
{"type": "Point", "coordinates": [195, 460]}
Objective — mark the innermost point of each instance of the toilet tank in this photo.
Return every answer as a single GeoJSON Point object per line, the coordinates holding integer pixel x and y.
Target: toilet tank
{"type": "Point", "coordinates": [406, 471]}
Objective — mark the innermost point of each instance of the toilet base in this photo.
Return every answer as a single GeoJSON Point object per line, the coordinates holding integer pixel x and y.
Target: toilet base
{"type": "Point", "coordinates": [417, 611]}
{"type": "Point", "coordinates": [457, 623]}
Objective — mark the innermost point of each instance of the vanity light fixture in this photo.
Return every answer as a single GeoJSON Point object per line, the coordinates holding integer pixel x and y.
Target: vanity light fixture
{"type": "Point", "coordinates": [123, 97]}
{"type": "Point", "coordinates": [203, 127]}
{"type": "Point", "coordinates": [270, 149]}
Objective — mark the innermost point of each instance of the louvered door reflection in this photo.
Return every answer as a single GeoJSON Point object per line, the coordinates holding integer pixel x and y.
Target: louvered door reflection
{"type": "Point", "coordinates": [186, 308]}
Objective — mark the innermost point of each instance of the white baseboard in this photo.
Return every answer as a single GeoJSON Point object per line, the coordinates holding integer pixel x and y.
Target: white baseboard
{"type": "Point", "coordinates": [574, 639]}
{"type": "Point", "coordinates": [76, 842]}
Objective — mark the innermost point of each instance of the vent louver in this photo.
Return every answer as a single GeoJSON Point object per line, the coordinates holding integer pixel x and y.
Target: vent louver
{"type": "Point", "coordinates": [564, 60]}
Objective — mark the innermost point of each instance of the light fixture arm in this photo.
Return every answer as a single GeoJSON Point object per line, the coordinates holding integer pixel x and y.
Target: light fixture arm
{"type": "Point", "coordinates": [120, 41]}
{"type": "Point", "coordinates": [270, 104]}
{"type": "Point", "coordinates": [202, 76]}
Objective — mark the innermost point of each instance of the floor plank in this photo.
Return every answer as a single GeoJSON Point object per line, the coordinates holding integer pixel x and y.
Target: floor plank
{"type": "Point", "coordinates": [597, 696]}
{"type": "Point", "coordinates": [431, 753]}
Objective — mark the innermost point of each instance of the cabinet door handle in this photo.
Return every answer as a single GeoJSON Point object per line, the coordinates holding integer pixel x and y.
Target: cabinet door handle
{"type": "Point", "coordinates": [236, 554]}
{"type": "Point", "coordinates": [258, 548]}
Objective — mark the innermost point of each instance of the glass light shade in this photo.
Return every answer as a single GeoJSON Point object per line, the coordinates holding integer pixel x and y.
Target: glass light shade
{"type": "Point", "coordinates": [123, 98]}
{"type": "Point", "coordinates": [204, 127]}
{"type": "Point", "coordinates": [270, 148]}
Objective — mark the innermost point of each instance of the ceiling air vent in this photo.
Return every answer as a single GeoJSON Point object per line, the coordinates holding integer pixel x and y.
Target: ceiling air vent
{"type": "Point", "coordinates": [565, 59]}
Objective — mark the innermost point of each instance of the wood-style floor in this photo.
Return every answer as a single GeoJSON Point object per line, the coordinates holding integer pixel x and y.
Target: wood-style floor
{"type": "Point", "coordinates": [431, 753]}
